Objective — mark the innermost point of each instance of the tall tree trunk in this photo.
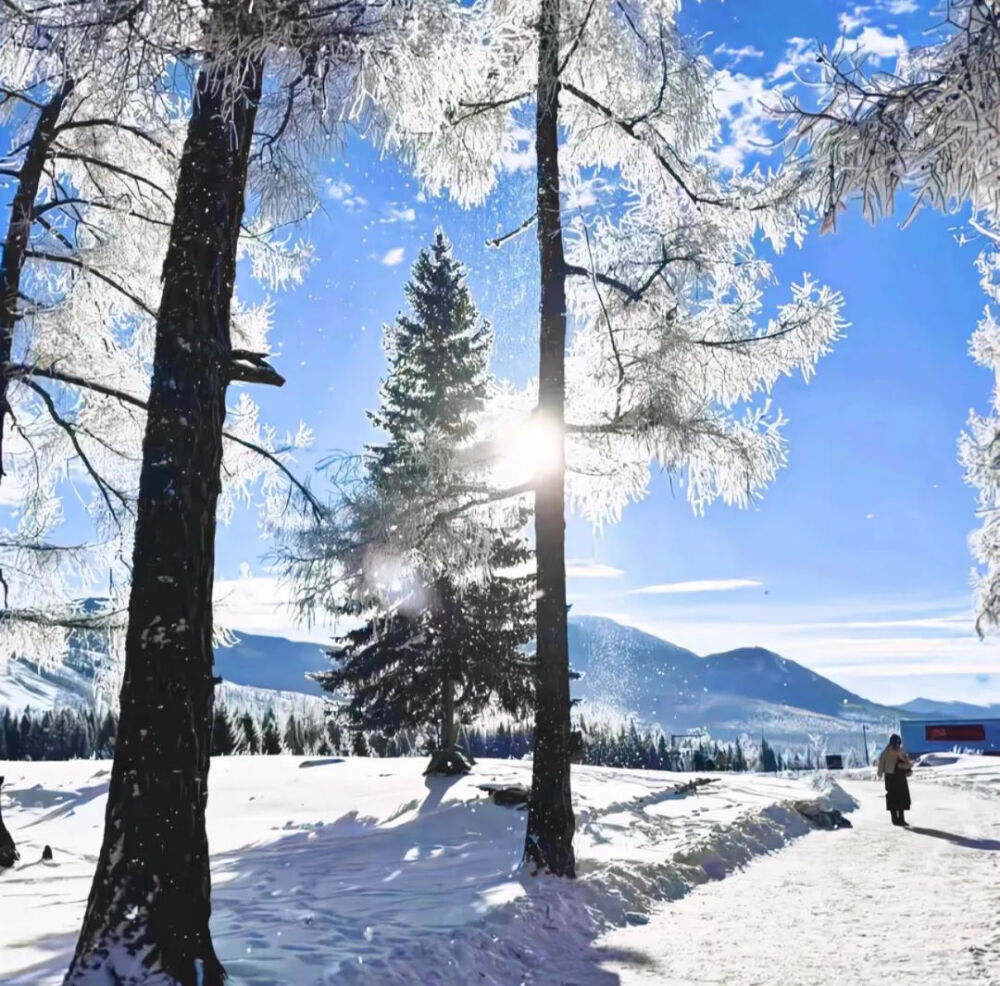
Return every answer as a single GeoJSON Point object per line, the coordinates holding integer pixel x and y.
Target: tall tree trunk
{"type": "Point", "coordinates": [15, 244]}
{"type": "Point", "coordinates": [549, 841]}
{"type": "Point", "coordinates": [449, 732]}
{"type": "Point", "coordinates": [8, 851]}
{"type": "Point", "coordinates": [150, 900]}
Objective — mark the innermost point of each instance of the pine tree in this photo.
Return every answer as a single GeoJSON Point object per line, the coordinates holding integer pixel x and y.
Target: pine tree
{"type": "Point", "coordinates": [359, 747]}
{"type": "Point", "coordinates": [768, 760]}
{"type": "Point", "coordinates": [270, 738]}
{"type": "Point", "coordinates": [739, 757]}
{"type": "Point", "coordinates": [12, 738]}
{"type": "Point", "coordinates": [662, 753]}
{"type": "Point", "coordinates": [294, 741]}
{"type": "Point", "coordinates": [250, 738]}
{"type": "Point", "coordinates": [437, 651]}
{"type": "Point", "coordinates": [223, 735]}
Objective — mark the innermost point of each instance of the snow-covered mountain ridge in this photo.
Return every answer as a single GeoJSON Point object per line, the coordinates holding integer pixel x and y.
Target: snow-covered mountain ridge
{"type": "Point", "coordinates": [624, 673]}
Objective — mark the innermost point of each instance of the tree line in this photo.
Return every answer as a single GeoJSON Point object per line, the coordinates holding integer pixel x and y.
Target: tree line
{"type": "Point", "coordinates": [83, 734]}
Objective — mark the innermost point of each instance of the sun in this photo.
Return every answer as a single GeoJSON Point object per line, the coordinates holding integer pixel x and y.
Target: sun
{"type": "Point", "coordinates": [529, 450]}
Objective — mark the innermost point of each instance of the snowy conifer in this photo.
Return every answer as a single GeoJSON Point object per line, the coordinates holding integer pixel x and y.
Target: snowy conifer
{"type": "Point", "coordinates": [439, 647]}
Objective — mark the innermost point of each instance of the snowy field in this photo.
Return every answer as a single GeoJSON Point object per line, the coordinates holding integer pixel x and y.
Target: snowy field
{"type": "Point", "coordinates": [364, 871]}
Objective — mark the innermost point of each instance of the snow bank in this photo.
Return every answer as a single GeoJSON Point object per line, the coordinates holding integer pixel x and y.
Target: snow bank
{"type": "Point", "coordinates": [363, 871]}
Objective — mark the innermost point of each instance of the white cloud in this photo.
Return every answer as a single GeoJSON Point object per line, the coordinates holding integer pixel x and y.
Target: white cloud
{"type": "Point", "coordinates": [395, 215]}
{"type": "Point", "coordinates": [874, 42]}
{"type": "Point", "coordinates": [800, 51]}
{"type": "Point", "coordinates": [899, 6]}
{"type": "Point", "coordinates": [738, 54]}
{"type": "Point", "coordinates": [518, 150]}
{"type": "Point", "coordinates": [393, 257]}
{"type": "Point", "coordinates": [343, 192]}
{"type": "Point", "coordinates": [585, 569]}
{"type": "Point", "coordinates": [339, 190]}
{"type": "Point", "coordinates": [850, 21]}
{"type": "Point", "coordinates": [697, 585]}
{"type": "Point", "coordinates": [261, 605]}
{"type": "Point", "coordinates": [742, 102]}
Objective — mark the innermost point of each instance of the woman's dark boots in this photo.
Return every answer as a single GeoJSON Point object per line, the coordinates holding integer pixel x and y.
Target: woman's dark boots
{"type": "Point", "coordinates": [896, 816]}
{"type": "Point", "coordinates": [903, 821]}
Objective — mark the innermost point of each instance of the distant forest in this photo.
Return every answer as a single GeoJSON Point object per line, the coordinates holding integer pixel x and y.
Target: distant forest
{"type": "Point", "coordinates": [71, 734]}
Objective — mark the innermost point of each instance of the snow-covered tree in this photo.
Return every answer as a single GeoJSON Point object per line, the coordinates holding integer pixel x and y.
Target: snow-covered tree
{"type": "Point", "coordinates": [928, 130]}
{"type": "Point", "coordinates": [271, 82]}
{"type": "Point", "coordinates": [979, 445]}
{"type": "Point", "coordinates": [90, 172]}
{"type": "Point", "coordinates": [672, 354]}
{"type": "Point", "coordinates": [439, 647]}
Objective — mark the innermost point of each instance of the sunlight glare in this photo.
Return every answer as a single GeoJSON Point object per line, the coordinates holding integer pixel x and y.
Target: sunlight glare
{"type": "Point", "coordinates": [530, 450]}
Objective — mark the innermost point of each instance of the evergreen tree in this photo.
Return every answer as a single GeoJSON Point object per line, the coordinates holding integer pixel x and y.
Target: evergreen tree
{"type": "Point", "coordinates": [294, 741]}
{"type": "Point", "coordinates": [223, 735]}
{"type": "Point", "coordinates": [768, 760]}
{"type": "Point", "coordinates": [662, 753]}
{"type": "Point", "coordinates": [250, 738]}
{"type": "Point", "coordinates": [436, 652]}
{"type": "Point", "coordinates": [334, 736]}
{"type": "Point", "coordinates": [26, 735]}
{"type": "Point", "coordinates": [104, 742]}
{"type": "Point", "coordinates": [13, 739]}
{"type": "Point", "coordinates": [359, 747]}
{"type": "Point", "coordinates": [739, 757]}
{"type": "Point", "coordinates": [270, 739]}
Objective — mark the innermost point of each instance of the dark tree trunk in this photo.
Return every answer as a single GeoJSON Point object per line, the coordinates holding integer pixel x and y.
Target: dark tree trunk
{"type": "Point", "coordinates": [15, 243]}
{"type": "Point", "coordinates": [151, 892]}
{"type": "Point", "coordinates": [549, 841]}
{"type": "Point", "coordinates": [8, 851]}
{"type": "Point", "coordinates": [449, 730]}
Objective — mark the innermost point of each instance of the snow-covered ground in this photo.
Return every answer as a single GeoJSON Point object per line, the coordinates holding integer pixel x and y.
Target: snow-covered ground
{"type": "Point", "coordinates": [364, 871]}
{"type": "Point", "coordinates": [868, 906]}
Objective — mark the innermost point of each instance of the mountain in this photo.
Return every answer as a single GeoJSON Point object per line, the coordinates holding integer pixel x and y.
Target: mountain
{"type": "Point", "coordinates": [927, 707]}
{"type": "Point", "coordinates": [625, 672]}
{"type": "Point", "coordinates": [271, 662]}
{"type": "Point", "coordinates": [257, 672]}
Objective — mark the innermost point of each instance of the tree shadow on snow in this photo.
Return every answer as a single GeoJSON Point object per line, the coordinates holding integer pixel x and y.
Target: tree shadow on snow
{"type": "Point", "coordinates": [985, 845]}
{"type": "Point", "coordinates": [436, 888]}
{"type": "Point", "coordinates": [62, 802]}
{"type": "Point", "coordinates": [437, 787]}
{"type": "Point", "coordinates": [52, 968]}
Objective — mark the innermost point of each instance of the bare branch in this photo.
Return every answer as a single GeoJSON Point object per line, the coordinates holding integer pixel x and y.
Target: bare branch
{"type": "Point", "coordinates": [258, 370]}
{"type": "Point", "coordinates": [527, 224]}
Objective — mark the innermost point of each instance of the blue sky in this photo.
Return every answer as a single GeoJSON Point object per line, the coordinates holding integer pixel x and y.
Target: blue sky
{"type": "Point", "coordinates": [855, 563]}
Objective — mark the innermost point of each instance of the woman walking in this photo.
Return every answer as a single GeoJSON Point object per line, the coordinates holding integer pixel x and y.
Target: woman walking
{"type": "Point", "coordinates": [895, 766]}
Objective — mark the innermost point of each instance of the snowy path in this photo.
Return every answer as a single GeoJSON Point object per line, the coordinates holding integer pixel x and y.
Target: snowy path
{"type": "Point", "coordinates": [867, 906]}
